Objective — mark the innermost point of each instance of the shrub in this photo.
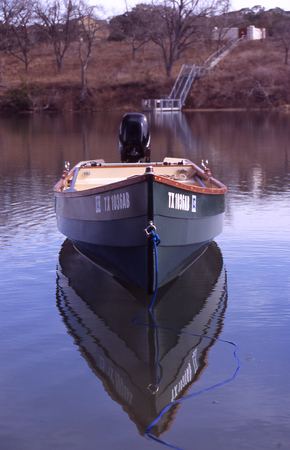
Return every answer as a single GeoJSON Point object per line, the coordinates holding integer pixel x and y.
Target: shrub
{"type": "Point", "coordinates": [17, 100]}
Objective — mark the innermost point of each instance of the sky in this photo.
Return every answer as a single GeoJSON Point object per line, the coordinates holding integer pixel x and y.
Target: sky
{"type": "Point", "coordinates": [114, 7]}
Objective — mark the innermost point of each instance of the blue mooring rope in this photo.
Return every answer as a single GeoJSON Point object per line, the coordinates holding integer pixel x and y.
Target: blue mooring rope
{"type": "Point", "coordinates": [156, 240]}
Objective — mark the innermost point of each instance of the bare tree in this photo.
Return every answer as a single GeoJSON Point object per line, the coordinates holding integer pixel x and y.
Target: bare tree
{"type": "Point", "coordinates": [88, 30]}
{"type": "Point", "coordinates": [133, 26]}
{"type": "Point", "coordinates": [220, 25]}
{"type": "Point", "coordinates": [56, 18]}
{"type": "Point", "coordinates": [178, 24]}
{"type": "Point", "coordinates": [281, 31]}
{"type": "Point", "coordinates": [16, 29]}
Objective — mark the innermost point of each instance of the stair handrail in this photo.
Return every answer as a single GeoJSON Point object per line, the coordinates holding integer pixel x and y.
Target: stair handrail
{"type": "Point", "coordinates": [171, 95]}
{"type": "Point", "coordinates": [186, 88]}
{"type": "Point", "coordinates": [222, 51]}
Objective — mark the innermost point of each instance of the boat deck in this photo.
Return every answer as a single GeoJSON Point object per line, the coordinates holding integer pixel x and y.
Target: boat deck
{"type": "Point", "coordinates": [100, 176]}
{"type": "Point", "coordinates": [93, 174]}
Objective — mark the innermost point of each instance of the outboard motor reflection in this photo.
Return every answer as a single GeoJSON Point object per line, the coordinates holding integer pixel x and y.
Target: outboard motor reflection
{"type": "Point", "coordinates": [134, 138]}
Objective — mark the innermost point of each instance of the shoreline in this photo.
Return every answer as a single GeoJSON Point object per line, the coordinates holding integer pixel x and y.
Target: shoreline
{"type": "Point", "coordinates": [31, 99]}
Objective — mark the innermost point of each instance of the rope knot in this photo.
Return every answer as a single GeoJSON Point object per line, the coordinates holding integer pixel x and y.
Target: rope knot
{"type": "Point", "coordinates": [150, 231]}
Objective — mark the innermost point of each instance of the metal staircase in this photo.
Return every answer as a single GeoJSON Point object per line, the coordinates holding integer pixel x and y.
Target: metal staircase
{"type": "Point", "coordinates": [187, 76]}
{"type": "Point", "coordinates": [184, 81]}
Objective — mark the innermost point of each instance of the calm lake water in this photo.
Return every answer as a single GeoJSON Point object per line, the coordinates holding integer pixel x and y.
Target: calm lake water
{"type": "Point", "coordinates": [80, 363]}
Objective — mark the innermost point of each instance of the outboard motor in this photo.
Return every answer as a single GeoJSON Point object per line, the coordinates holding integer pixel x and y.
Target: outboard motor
{"type": "Point", "coordinates": [134, 138]}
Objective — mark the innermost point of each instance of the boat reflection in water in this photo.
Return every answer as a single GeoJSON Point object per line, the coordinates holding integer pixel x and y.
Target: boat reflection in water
{"type": "Point", "coordinates": [143, 362]}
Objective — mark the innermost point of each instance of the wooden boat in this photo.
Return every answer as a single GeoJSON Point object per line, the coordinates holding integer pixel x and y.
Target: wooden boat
{"type": "Point", "coordinates": [111, 212]}
{"type": "Point", "coordinates": [144, 363]}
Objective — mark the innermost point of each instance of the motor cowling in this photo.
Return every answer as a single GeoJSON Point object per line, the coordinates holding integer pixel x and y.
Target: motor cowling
{"type": "Point", "coordinates": [134, 138]}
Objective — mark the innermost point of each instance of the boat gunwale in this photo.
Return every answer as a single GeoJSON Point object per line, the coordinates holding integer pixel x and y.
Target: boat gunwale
{"type": "Point", "coordinates": [222, 189]}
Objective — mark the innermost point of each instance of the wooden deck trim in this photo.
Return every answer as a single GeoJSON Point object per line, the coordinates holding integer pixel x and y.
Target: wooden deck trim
{"type": "Point", "coordinates": [192, 188]}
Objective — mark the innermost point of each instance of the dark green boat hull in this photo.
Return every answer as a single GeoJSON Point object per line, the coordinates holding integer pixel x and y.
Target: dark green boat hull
{"type": "Point", "coordinates": [109, 227]}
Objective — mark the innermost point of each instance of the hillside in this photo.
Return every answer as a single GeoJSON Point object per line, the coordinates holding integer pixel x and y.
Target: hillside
{"type": "Point", "coordinates": [252, 76]}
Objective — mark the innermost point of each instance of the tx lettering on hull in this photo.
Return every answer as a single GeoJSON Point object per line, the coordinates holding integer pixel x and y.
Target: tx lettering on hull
{"type": "Point", "coordinates": [181, 202]}
{"type": "Point", "coordinates": [113, 202]}
{"type": "Point", "coordinates": [187, 376]}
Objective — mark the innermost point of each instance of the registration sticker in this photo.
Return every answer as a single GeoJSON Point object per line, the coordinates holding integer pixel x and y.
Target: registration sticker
{"type": "Point", "coordinates": [193, 203]}
{"type": "Point", "coordinates": [98, 204]}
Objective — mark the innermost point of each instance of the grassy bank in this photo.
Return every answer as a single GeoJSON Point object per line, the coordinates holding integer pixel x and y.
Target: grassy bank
{"type": "Point", "coordinates": [252, 76]}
